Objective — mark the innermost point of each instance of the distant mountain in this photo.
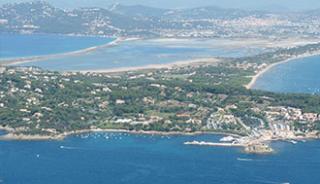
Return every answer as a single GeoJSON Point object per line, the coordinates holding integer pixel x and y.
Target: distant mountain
{"type": "Point", "coordinates": [44, 18]}
{"type": "Point", "coordinates": [274, 8]}
{"type": "Point", "coordinates": [142, 21]}
{"type": "Point", "coordinates": [140, 11]}
{"type": "Point", "coordinates": [314, 12]}
{"type": "Point", "coordinates": [208, 13]}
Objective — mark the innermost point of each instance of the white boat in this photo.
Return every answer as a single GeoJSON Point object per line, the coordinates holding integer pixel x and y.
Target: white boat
{"type": "Point", "coordinates": [293, 142]}
{"type": "Point", "coordinates": [227, 139]}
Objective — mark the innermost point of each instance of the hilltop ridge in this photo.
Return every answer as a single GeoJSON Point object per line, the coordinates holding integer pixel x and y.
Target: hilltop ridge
{"type": "Point", "coordinates": [142, 21]}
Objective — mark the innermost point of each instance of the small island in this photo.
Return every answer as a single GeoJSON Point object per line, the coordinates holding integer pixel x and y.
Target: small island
{"type": "Point", "coordinates": [202, 96]}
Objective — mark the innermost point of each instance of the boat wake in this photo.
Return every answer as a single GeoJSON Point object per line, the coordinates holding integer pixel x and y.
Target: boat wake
{"type": "Point", "coordinates": [250, 160]}
{"type": "Point", "coordinates": [271, 182]}
{"type": "Point", "coordinates": [70, 148]}
{"type": "Point", "coordinates": [245, 159]}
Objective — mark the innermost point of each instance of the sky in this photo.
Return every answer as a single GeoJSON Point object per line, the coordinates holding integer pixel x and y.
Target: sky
{"type": "Point", "coordinates": [275, 5]}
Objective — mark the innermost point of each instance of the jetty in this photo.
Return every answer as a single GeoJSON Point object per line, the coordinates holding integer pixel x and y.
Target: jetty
{"type": "Point", "coordinates": [203, 143]}
{"type": "Point", "coordinates": [257, 148]}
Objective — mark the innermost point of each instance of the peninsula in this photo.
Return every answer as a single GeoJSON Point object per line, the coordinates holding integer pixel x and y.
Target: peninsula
{"type": "Point", "coordinates": [203, 97]}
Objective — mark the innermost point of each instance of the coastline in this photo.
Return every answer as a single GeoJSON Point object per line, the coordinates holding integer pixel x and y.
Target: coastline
{"type": "Point", "coordinates": [192, 62]}
{"type": "Point", "coordinates": [12, 136]}
{"type": "Point", "coordinates": [23, 60]}
{"type": "Point", "coordinates": [266, 69]}
{"type": "Point", "coordinates": [257, 145]}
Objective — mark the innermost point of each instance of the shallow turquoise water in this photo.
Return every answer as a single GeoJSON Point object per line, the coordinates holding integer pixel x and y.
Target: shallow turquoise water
{"type": "Point", "coordinates": [300, 76]}
{"type": "Point", "coordinates": [144, 159]}
{"type": "Point", "coordinates": [16, 45]}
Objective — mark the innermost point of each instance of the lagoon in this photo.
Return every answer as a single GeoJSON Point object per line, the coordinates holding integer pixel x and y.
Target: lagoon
{"type": "Point", "coordinates": [130, 53]}
{"type": "Point", "coordinates": [139, 53]}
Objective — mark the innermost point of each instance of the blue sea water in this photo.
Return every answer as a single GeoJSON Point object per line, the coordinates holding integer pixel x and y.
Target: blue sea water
{"type": "Point", "coordinates": [18, 45]}
{"type": "Point", "coordinates": [143, 159]}
{"type": "Point", "coordinates": [298, 76]}
{"type": "Point", "coordinates": [144, 52]}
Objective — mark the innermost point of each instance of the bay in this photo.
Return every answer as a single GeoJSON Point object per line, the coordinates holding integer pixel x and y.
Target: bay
{"type": "Point", "coordinates": [297, 76]}
{"type": "Point", "coordinates": [119, 158]}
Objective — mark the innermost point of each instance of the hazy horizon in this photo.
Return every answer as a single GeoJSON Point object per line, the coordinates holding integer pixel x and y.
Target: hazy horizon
{"type": "Point", "coordinates": [271, 5]}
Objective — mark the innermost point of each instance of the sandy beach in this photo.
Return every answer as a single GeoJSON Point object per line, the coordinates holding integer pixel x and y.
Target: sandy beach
{"type": "Point", "coordinates": [177, 64]}
{"type": "Point", "coordinates": [236, 42]}
{"type": "Point", "coordinates": [260, 73]}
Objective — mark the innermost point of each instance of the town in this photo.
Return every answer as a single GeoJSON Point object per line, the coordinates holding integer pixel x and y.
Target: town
{"type": "Point", "coordinates": [146, 22]}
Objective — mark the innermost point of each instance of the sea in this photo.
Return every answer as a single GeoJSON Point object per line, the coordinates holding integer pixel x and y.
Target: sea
{"type": "Point", "coordinates": [297, 76]}
{"type": "Point", "coordinates": [28, 45]}
{"type": "Point", "coordinates": [121, 158]}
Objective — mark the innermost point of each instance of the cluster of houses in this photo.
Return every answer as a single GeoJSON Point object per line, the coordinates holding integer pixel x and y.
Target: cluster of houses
{"type": "Point", "coordinates": [221, 119]}
{"type": "Point", "coordinates": [291, 114]}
